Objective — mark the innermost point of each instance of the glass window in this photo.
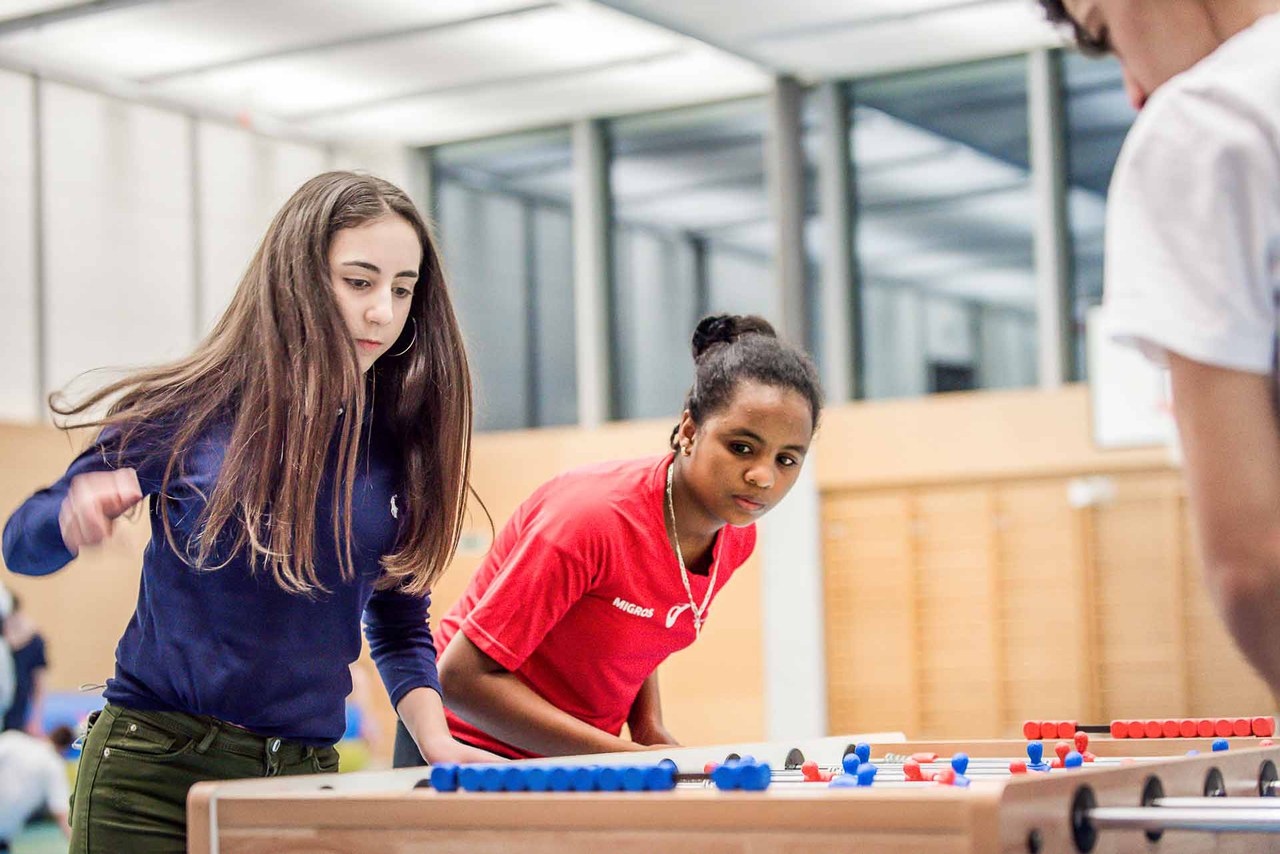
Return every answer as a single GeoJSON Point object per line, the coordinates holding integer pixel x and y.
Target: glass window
{"type": "Point", "coordinates": [691, 234]}
{"type": "Point", "coordinates": [1098, 115]}
{"type": "Point", "coordinates": [506, 233]}
{"type": "Point", "coordinates": [944, 229]}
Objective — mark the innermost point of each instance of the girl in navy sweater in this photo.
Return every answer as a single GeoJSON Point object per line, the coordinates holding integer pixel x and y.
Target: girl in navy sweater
{"type": "Point", "coordinates": [307, 467]}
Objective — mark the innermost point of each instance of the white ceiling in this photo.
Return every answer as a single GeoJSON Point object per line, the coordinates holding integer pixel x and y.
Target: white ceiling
{"type": "Point", "coordinates": [818, 39]}
{"type": "Point", "coordinates": [431, 71]}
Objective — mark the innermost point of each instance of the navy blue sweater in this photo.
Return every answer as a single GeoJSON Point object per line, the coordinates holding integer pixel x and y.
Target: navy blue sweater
{"type": "Point", "coordinates": [228, 642]}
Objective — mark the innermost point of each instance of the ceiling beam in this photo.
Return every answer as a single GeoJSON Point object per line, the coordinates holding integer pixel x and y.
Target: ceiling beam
{"type": "Point", "coordinates": [628, 7]}
{"type": "Point", "coordinates": [505, 82]}
{"type": "Point", "coordinates": [66, 13]}
{"type": "Point", "coordinates": [824, 28]}
{"type": "Point", "coordinates": [345, 42]}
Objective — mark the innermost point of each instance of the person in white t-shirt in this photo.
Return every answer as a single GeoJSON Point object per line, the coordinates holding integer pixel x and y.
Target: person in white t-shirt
{"type": "Point", "coordinates": [33, 776]}
{"type": "Point", "coordinates": [1193, 268]}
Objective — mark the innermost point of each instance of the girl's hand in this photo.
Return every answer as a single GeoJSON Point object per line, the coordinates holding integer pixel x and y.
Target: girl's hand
{"type": "Point", "coordinates": [451, 750]}
{"type": "Point", "coordinates": [653, 734]}
{"type": "Point", "coordinates": [93, 503]}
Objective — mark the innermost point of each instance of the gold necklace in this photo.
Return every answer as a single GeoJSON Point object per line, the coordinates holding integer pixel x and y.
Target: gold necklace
{"type": "Point", "coordinates": [684, 573]}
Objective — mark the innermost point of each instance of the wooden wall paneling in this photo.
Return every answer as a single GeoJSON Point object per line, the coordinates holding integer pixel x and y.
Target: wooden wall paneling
{"type": "Point", "coordinates": [1085, 528]}
{"type": "Point", "coordinates": [1136, 536]}
{"type": "Point", "coordinates": [996, 584]}
{"type": "Point", "coordinates": [1176, 508]}
{"type": "Point", "coordinates": [959, 676]}
{"type": "Point", "coordinates": [1043, 612]}
{"type": "Point", "coordinates": [869, 597]}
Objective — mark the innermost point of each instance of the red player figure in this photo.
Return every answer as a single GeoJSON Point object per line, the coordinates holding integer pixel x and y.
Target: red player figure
{"type": "Point", "coordinates": [1082, 746]}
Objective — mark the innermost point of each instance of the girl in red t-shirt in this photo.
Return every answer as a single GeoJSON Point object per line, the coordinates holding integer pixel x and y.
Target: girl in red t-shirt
{"type": "Point", "coordinates": [606, 570]}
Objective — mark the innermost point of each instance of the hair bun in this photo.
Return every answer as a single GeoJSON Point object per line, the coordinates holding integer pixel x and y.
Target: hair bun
{"type": "Point", "coordinates": [727, 328]}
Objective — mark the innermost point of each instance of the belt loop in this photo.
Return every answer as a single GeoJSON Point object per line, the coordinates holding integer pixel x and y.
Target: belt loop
{"type": "Point", "coordinates": [208, 738]}
{"type": "Point", "coordinates": [272, 747]}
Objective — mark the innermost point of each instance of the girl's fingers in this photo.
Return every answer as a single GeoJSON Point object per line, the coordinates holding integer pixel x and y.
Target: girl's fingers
{"type": "Point", "coordinates": [120, 492]}
{"type": "Point", "coordinates": [71, 535]}
{"type": "Point", "coordinates": [128, 488]}
{"type": "Point", "coordinates": [94, 500]}
{"type": "Point", "coordinates": [93, 523]}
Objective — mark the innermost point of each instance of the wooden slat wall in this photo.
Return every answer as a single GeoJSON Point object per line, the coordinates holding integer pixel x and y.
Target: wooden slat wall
{"type": "Point", "coordinates": [1000, 602]}
{"type": "Point", "coordinates": [1041, 603]}
{"type": "Point", "coordinates": [959, 669]}
{"type": "Point", "coordinates": [1139, 575]}
{"type": "Point", "coordinates": [872, 626]}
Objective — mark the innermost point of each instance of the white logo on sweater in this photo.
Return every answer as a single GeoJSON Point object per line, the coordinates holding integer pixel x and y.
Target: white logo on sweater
{"type": "Point", "coordinates": [633, 609]}
{"type": "Point", "coordinates": [395, 511]}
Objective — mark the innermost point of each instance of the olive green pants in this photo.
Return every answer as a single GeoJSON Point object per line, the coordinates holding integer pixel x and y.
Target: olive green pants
{"type": "Point", "coordinates": [136, 768]}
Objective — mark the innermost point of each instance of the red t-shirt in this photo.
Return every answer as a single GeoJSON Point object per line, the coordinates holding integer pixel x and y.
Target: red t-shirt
{"type": "Point", "coordinates": [580, 595]}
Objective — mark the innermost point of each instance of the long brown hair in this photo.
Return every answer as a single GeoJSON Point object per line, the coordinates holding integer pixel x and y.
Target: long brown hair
{"type": "Point", "coordinates": [281, 365]}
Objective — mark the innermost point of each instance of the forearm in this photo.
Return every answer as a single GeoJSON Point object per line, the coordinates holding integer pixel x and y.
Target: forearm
{"type": "Point", "coordinates": [400, 643]}
{"type": "Point", "coordinates": [35, 715]}
{"type": "Point", "coordinates": [423, 714]}
{"type": "Point", "coordinates": [1248, 596]}
{"type": "Point", "coordinates": [645, 718]}
{"type": "Point", "coordinates": [33, 542]}
{"type": "Point", "coordinates": [509, 710]}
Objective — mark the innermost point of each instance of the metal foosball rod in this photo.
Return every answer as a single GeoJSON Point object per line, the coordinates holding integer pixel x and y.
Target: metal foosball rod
{"type": "Point", "coordinates": [1218, 803]}
{"type": "Point", "coordinates": [1211, 820]}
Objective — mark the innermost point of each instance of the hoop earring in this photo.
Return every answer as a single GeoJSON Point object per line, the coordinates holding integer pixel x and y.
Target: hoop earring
{"type": "Point", "coordinates": [412, 340]}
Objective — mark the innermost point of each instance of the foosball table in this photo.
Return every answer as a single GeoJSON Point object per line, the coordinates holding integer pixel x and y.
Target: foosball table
{"type": "Point", "coordinates": [1156, 795]}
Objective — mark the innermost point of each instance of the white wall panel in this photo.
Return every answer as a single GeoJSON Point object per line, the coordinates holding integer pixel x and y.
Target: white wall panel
{"type": "Point", "coordinates": [19, 343]}
{"type": "Point", "coordinates": [948, 333]}
{"type": "Point", "coordinates": [655, 316]}
{"type": "Point", "coordinates": [485, 250]}
{"type": "Point", "coordinates": [742, 284]}
{"type": "Point", "coordinates": [243, 180]}
{"type": "Point", "coordinates": [398, 164]}
{"type": "Point", "coordinates": [117, 232]}
{"type": "Point", "coordinates": [893, 324]}
{"type": "Point", "coordinates": [1009, 352]}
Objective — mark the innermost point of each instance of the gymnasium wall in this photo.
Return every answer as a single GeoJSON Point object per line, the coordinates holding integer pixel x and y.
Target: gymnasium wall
{"type": "Point", "coordinates": [983, 564]}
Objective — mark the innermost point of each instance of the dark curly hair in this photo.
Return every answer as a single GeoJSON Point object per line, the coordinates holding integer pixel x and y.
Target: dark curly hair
{"type": "Point", "coordinates": [730, 349]}
{"type": "Point", "coordinates": [1057, 13]}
